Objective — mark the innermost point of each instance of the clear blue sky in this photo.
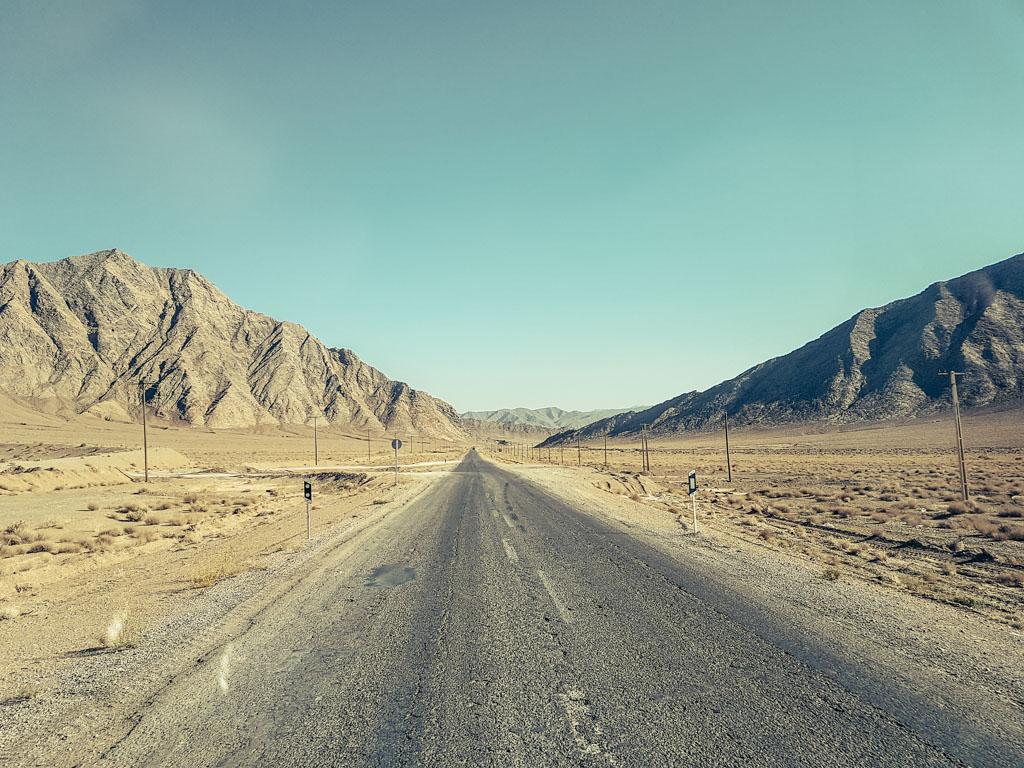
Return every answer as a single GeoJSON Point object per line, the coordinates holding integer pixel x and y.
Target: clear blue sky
{"type": "Point", "coordinates": [584, 204]}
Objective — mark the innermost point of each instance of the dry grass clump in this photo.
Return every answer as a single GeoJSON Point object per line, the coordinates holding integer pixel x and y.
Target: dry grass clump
{"type": "Point", "coordinates": [213, 569]}
{"type": "Point", "coordinates": [122, 632]}
{"type": "Point", "coordinates": [151, 520]}
{"type": "Point", "coordinates": [830, 574]}
{"type": "Point", "coordinates": [190, 498]}
{"type": "Point", "coordinates": [92, 506]}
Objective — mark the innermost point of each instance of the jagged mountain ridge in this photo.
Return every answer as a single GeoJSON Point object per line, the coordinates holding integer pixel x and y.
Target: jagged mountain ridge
{"type": "Point", "coordinates": [548, 418]}
{"type": "Point", "coordinates": [882, 363]}
{"type": "Point", "coordinates": [84, 331]}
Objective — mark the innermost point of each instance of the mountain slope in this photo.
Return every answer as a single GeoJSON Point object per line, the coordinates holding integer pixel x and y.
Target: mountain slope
{"type": "Point", "coordinates": [548, 418]}
{"type": "Point", "coordinates": [81, 333]}
{"type": "Point", "coordinates": [882, 363]}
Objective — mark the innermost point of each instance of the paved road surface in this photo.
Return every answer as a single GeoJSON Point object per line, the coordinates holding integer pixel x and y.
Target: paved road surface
{"type": "Point", "coordinates": [490, 624]}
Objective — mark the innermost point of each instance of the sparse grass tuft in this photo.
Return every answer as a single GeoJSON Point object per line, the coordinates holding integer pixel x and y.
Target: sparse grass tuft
{"type": "Point", "coordinates": [830, 574]}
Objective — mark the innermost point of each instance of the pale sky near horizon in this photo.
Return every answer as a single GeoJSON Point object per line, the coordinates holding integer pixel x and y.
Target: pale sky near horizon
{"type": "Point", "coordinates": [585, 203]}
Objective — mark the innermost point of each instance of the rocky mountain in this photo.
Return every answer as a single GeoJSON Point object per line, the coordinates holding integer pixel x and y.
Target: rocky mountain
{"type": "Point", "coordinates": [882, 363]}
{"type": "Point", "coordinates": [80, 334]}
{"type": "Point", "coordinates": [548, 418]}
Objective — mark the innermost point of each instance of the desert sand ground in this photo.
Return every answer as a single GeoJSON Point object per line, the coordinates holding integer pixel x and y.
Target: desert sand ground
{"type": "Point", "coordinates": [94, 560]}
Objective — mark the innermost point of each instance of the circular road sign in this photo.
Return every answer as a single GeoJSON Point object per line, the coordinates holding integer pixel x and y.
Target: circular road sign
{"type": "Point", "coordinates": [396, 444]}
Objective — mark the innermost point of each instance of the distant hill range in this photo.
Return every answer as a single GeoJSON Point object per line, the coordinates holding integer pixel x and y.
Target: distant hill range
{"type": "Point", "coordinates": [78, 335]}
{"type": "Point", "coordinates": [548, 418]}
{"type": "Point", "coordinates": [880, 364]}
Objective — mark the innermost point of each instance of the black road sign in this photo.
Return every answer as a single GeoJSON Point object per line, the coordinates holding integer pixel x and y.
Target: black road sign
{"type": "Point", "coordinates": [693, 483]}
{"type": "Point", "coordinates": [307, 490]}
{"type": "Point", "coordinates": [396, 444]}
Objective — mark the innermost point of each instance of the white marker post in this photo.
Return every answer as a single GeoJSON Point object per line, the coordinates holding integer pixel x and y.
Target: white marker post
{"type": "Point", "coordinates": [307, 491]}
{"type": "Point", "coordinates": [693, 498]}
{"type": "Point", "coordinates": [396, 444]}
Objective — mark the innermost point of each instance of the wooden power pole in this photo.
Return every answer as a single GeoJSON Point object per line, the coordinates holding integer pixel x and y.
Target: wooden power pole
{"type": "Point", "coordinates": [145, 445]}
{"type": "Point", "coordinates": [959, 432]}
{"type": "Point", "coordinates": [316, 444]}
{"type": "Point", "coordinates": [728, 458]}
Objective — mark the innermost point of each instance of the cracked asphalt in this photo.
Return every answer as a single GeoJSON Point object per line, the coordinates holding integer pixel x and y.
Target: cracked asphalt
{"type": "Point", "coordinates": [488, 623]}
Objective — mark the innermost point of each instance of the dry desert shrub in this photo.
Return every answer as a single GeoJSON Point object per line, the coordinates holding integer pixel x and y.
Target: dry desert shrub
{"type": "Point", "coordinates": [958, 508]}
{"type": "Point", "coordinates": [69, 548]}
{"type": "Point", "coordinates": [912, 583]}
{"type": "Point", "coordinates": [830, 574]}
{"type": "Point", "coordinates": [190, 498]}
{"type": "Point", "coordinates": [1010, 579]}
{"type": "Point", "coordinates": [151, 520]}
{"type": "Point", "coordinates": [948, 569]}
{"type": "Point", "coordinates": [767, 534]}
{"type": "Point", "coordinates": [164, 505]}
{"type": "Point", "coordinates": [1009, 533]}
{"type": "Point", "coordinates": [92, 506]}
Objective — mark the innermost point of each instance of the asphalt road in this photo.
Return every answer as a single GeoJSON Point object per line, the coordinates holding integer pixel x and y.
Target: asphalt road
{"type": "Point", "coordinates": [490, 624]}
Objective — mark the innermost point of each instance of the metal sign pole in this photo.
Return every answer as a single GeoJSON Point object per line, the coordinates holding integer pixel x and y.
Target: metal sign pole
{"type": "Point", "coordinates": [307, 491]}
{"type": "Point", "coordinates": [396, 444]}
{"type": "Point", "coordinates": [693, 498]}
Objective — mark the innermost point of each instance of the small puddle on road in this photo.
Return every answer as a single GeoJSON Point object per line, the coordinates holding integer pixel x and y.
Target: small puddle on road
{"type": "Point", "coordinates": [390, 576]}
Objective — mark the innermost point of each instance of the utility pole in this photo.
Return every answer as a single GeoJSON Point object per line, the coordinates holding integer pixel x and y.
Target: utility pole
{"type": "Point", "coordinates": [316, 445]}
{"type": "Point", "coordinates": [959, 431]}
{"type": "Point", "coordinates": [728, 458]}
{"type": "Point", "coordinates": [562, 459]}
{"type": "Point", "coordinates": [645, 455]}
{"type": "Point", "coordinates": [145, 444]}
{"type": "Point", "coordinates": [145, 441]}
{"type": "Point", "coordinates": [367, 446]}
{"type": "Point", "coordinates": [579, 452]}
{"type": "Point", "coordinates": [606, 450]}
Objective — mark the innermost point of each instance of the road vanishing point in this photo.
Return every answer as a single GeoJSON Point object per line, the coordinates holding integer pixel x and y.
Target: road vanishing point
{"type": "Point", "coordinates": [487, 623]}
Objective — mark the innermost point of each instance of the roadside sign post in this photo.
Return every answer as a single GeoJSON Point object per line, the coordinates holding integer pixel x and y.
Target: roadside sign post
{"type": "Point", "coordinates": [693, 498]}
{"type": "Point", "coordinates": [307, 491]}
{"type": "Point", "coordinates": [396, 444]}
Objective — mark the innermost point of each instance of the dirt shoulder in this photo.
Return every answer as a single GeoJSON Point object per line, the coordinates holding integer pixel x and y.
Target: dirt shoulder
{"type": "Point", "coordinates": [945, 652]}
{"type": "Point", "coordinates": [82, 649]}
